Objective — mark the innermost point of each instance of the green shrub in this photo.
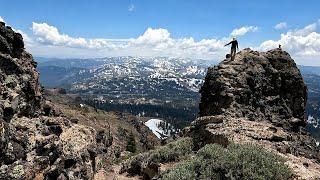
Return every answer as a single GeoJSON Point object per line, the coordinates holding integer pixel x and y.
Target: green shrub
{"type": "Point", "coordinates": [212, 152]}
{"type": "Point", "coordinates": [173, 151]}
{"type": "Point", "coordinates": [254, 162]}
{"type": "Point", "coordinates": [185, 171]}
{"type": "Point", "coordinates": [235, 162]}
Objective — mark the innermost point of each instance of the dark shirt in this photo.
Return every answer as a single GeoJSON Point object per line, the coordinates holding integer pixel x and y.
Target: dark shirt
{"type": "Point", "coordinates": [234, 44]}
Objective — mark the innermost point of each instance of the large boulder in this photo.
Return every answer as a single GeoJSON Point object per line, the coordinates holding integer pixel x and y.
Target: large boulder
{"type": "Point", "coordinates": [257, 85]}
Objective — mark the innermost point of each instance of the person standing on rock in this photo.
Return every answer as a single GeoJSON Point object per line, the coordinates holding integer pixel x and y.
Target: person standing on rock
{"type": "Point", "coordinates": [234, 47]}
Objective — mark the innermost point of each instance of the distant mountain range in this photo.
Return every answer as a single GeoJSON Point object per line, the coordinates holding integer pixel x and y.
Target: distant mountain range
{"type": "Point", "coordinates": [143, 85]}
{"type": "Point", "coordinates": [311, 77]}
{"type": "Point", "coordinates": [130, 73]}
{"type": "Point", "coordinates": [309, 69]}
{"type": "Point", "coordinates": [129, 76]}
{"type": "Point", "coordinates": [157, 87]}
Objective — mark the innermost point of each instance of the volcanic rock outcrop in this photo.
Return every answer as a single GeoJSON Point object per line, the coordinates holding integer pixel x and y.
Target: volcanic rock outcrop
{"type": "Point", "coordinates": [34, 141]}
{"type": "Point", "coordinates": [258, 86]}
{"type": "Point", "coordinates": [258, 98]}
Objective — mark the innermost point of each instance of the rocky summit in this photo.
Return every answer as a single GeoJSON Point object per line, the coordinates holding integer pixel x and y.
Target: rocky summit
{"type": "Point", "coordinates": [35, 142]}
{"type": "Point", "coordinates": [258, 86]}
{"type": "Point", "coordinates": [258, 98]}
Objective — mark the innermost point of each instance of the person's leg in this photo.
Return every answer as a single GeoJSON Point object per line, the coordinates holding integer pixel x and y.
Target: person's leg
{"type": "Point", "coordinates": [233, 53]}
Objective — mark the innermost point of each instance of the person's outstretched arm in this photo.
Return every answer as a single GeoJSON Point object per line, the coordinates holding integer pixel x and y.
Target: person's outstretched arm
{"type": "Point", "coordinates": [227, 44]}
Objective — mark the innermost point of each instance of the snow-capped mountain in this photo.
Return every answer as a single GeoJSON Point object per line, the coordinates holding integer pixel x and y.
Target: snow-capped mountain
{"type": "Point", "coordinates": [161, 87]}
{"type": "Point", "coordinates": [155, 77]}
{"type": "Point", "coordinates": [140, 75]}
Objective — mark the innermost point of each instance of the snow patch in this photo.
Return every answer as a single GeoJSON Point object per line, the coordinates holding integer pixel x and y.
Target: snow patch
{"type": "Point", "coordinates": [313, 121]}
{"type": "Point", "coordinates": [154, 126]}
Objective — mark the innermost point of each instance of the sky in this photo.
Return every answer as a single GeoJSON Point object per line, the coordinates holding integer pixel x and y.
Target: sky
{"type": "Point", "coordinates": [179, 28]}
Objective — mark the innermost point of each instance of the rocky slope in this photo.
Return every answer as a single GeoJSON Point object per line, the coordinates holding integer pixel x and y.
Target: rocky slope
{"type": "Point", "coordinates": [19, 87]}
{"type": "Point", "coordinates": [258, 98]}
{"type": "Point", "coordinates": [34, 143]}
{"type": "Point", "coordinates": [37, 139]}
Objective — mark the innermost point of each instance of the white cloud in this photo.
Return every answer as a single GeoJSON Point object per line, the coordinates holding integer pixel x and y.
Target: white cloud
{"type": "Point", "coordinates": [303, 44]}
{"type": "Point", "coordinates": [50, 35]}
{"type": "Point", "coordinates": [153, 36]}
{"type": "Point", "coordinates": [281, 25]}
{"type": "Point", "coordinates": [306, 30]}
{"type": "Point", "coordinates": [131, 7]}
{"type": "Point", "coordinates": [1, 19]}
{"type": "Point", "coordinates": [153, 42]}
{"type": "Point", "coordinates": [244, 30]}
{"type": "Point", "coordinates": [159, 42]}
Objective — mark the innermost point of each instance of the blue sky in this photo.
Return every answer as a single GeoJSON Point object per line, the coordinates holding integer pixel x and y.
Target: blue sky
{"type": "Point", "coordinates": [187, 28]}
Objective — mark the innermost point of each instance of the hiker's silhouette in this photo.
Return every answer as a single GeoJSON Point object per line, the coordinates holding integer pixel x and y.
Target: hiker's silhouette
{"type": "Point", "coordinates": [234, 47]}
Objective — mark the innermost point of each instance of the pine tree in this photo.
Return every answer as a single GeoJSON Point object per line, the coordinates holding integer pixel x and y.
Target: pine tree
{"type": "Point", "coordinates": [131, 143]}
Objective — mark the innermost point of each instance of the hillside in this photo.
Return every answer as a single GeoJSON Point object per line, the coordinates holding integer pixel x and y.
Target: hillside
{"type": "Point", "coordinates": [119, 126]}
